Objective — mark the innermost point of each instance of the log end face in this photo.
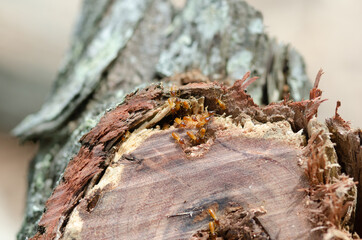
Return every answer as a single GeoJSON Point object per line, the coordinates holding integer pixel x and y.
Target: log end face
{"type": "Point", "coordinates": [170, 190]}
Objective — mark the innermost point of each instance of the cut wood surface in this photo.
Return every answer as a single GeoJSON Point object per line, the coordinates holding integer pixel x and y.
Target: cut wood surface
{"type": "Point", "coordinates": [148, 162]}
{"type": "Point", "coordinates": [122, 45]}
{"type": "Point", "coordinates": [158, 181]}
{"type": "Point", "coordinates": [268, 172]}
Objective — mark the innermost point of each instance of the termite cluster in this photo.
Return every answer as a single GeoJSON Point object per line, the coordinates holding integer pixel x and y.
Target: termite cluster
{"type": "Point", "coordinates": [197, 121]}
{"type": "Point", "coordinates": [176, 103]}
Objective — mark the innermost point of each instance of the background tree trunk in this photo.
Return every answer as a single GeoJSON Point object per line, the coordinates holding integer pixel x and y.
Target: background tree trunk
{"type": "Point", "coordinates": [119, 46]}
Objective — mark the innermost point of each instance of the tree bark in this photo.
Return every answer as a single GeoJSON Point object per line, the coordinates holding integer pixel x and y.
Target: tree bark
{"type": "Point", "coordinates": [119, 46]}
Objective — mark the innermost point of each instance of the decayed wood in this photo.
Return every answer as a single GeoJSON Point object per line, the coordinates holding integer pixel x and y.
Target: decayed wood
{"type": "Point", "coordinates": [348, 145]}
{"type": "Point", "coordinates": [132, 179]}
{"type": "Point", "coordinates": [91, 158]}
{"type": "Point", "coordinates": [120, 45]}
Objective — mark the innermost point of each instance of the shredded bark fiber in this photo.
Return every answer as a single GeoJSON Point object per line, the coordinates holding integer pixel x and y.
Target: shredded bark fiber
{"type": "Point", "coordinates": [124, 149]}
{"type": "Point", "coordinates": [348, 146]}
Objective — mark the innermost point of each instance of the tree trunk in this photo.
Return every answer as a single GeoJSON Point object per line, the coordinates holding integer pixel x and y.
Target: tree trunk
{"type": "Point", "coordinates": [127, 177]}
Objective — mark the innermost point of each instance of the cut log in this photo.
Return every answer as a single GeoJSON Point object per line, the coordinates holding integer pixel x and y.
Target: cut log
{"type": "Point", "coordinates": [122, 45]}
{"type": "Point", "coordinates": [154, 166]}
{"type": "Point", "coordinates": [157, 182]}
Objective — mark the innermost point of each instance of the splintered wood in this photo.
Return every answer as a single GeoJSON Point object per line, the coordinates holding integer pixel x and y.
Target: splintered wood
{"type": "Point", "coordinates": [199, 162]}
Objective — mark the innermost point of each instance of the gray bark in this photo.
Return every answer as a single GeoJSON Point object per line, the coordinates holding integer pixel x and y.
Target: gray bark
{"type": "Point", "coordinates": [122, 45]}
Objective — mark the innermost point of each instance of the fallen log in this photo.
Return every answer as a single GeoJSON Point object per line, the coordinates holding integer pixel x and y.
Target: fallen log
{"type": "Point", "coordinates": [119, 46]}
{"type": "Point", "coordinates": [122, 45]}
{"type": "Point", "coordinates": [157, 165]}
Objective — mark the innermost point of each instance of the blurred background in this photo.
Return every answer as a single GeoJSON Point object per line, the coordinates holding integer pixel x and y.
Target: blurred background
{"type": "Point", "coordinates": [35, 34]}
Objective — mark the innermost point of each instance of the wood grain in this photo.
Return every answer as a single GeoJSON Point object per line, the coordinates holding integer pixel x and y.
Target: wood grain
{"type": "Point", "coordinates": [162, 181]}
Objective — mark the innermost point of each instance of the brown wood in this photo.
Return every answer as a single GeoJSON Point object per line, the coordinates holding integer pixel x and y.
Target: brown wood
{"type": "Point", "coordinates": [160, 180]}
{"type": "Point", "coordinates": [162, 177]}
{"type": "Point", "coordinates": [244, 168]}
{"type": "Point", "coordinates": [348, 145]}
{"type": "Point", "coordinates": [111, 54]}
{"type": "Point", "coordinates": [91, 159]}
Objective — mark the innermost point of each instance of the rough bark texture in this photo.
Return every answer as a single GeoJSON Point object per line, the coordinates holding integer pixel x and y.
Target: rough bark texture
{"type": "Point", "coordinates": [349, 150]}
{"type": "Point", "coordinates": [121, 45]}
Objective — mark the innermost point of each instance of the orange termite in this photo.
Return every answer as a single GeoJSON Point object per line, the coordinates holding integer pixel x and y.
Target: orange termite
{"type": "Point", "coordinates": [192, 136]}
{"type": "Point", "coordinates": [221, 104]}
{"type": "Point", "coordinates": [173, 91]}
{"type": "Point", "coordinates": [213, 215]}
{"type": "Point", "coordinates": [202, 134]}
{"type": "Point", "coordinates": [200, 124]}
{"type": "Point", "coordinates": [185, 105]}
{"type": "Point", "coordinates": [177, 104]}
{"type": "Point", "coordinates": [212, 230]}
{"type": "Point", "coordinates": [125, 136]}
{"type": "Point", "coordinates": [170, 102]}
{"type": "Point", "coordinates": [188, 122]}
{"type": "Point", "coordinates": [187, 118]}
{"type": "Point", "coordinates": [180, 122]}
{"type": "Point", "coordinates": [205, 119]}
{"type": "Point", "coordinates": [177, 138]}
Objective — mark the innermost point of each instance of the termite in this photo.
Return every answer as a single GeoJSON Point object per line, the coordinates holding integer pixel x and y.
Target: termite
{"type": "Point", "coordinates": [171, 102]}
{"type": "Point", "coordinates": [125, 136]}
{"type": "Point", "coordinates": [185, 105]}
{"type": "Point", "coordinates": [173, 91]}
{"type": "Point", "coordinates": [174, 102]}
{"type": "Point", "coordinates": [212, 230]}
{"type": "Point", "coordinates": [187, 119]}
{"type": "Point", "coordinates": [180, 122]}
{"type": "Point", "coordinates": [202, 135]}
{"type": "Point", "coordinates": [177, 138]}
{"type": "Point", "coordinates": [213, 215]}
{"type": "Point", "coordinates": [221, 104]}
{"type": "Point", "coordinates": [205, 118]}
{"type": "Point", "coordinates": [192, 136]}
{"type": "Point", "coordinates": [177, 104]}
{"type": "Point", "coordinates": [200, 124]}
